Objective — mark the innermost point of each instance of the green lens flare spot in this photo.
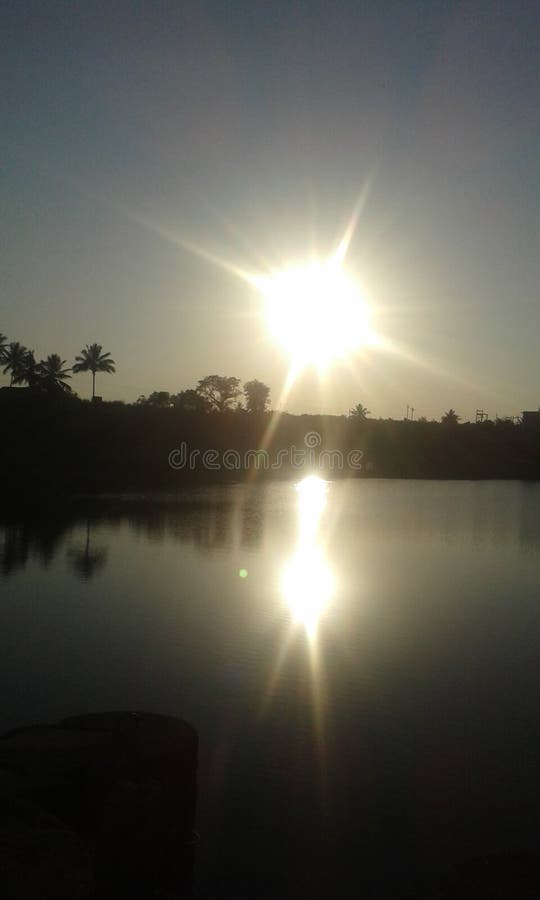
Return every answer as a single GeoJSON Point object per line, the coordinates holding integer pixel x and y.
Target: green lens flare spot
{"type": "Point", "coordinates": [243, 573]}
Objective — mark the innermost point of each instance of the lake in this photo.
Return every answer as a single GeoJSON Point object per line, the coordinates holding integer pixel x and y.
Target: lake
{"type": "Point", "coordinates": [360, 658]}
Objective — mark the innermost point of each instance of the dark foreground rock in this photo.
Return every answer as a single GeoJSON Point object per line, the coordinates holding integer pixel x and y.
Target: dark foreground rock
{"type": "Point", "coordinates": [99, 806]}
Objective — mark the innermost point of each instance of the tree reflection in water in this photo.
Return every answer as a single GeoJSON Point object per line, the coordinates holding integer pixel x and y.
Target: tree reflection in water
{"type": "Point", "coordinates": [210, 520]}
{"type": "Point", "coordinates": [86, 562]}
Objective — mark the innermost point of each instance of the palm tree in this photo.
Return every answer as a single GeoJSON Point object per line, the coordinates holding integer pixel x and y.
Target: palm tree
{"type": "Point", "coordinates": [52, 373]}
{"type": "Point", "coordinates": [3, 345]}
{"type": "Point", "coordinates": [450, 418]}
{"type": "Point", "coordinates": [91, 359]}
{"type": "Point", "coordinates": [359, 412]}
{"type": "Point", "coordinates": [13, 356]}
{"type": "Point", "coordinates": [28, 370]}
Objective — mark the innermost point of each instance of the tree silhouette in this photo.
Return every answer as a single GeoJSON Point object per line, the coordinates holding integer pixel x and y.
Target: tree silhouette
{"type": "Point", "coordinates": [257, 396]}
{"type": "Point", "coordinates": [52, 374]}
{"type": "Point", "coordinates": [91, 359]}
{"type": "Point", "coordinates": [161, 399]}
{"type": "Point", "coordinates": [359, 413]}
{"type": "Point", "coordinates": [3, 345]}
{"type": "Point", "coordinates": [219, 390]}
{"type": "Point", "coordinates": [450, 417]}
{"type": "Point", "coordinates": [27, 371]}
{"type": "Point", "coordinates": [190, 401]}
{"type": "Point", "coordinates": [13, 358]}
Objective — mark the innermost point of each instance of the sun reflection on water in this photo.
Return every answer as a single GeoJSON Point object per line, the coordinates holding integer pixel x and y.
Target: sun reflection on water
{"type": "Point", "coordinates": [307, 582]}
{"type": "Point", "coordinates": [307, 585]}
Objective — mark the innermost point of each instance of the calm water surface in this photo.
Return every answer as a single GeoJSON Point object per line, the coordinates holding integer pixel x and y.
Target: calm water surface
{"type": "Point", "coordinates": [361, 663]}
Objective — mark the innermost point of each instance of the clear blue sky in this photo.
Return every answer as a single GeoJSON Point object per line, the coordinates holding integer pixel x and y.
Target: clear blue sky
{"type": "Point", "coordinates": [250, 128]}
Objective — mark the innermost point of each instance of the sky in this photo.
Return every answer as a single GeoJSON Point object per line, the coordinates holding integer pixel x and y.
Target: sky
{"type": "Point", "coordinates": [141, 143]}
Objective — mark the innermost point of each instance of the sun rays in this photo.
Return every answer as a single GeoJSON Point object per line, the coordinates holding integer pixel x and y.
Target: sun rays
{"type": "Point", "coordinates": [315, 311]}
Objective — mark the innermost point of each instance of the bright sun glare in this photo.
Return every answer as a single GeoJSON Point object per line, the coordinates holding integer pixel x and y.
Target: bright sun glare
{"type": "Point", "coordinates": [307, 582]}
{"type": "Point", "coordinates": [316, 312]}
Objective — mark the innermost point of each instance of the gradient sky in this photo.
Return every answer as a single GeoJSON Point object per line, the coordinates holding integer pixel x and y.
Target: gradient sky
{"type": "Point", "coordinates": [250, 129]}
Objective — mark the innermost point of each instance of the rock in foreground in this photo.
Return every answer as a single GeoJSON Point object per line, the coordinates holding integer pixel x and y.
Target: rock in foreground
{"type": "Point", "coordinates": [98, 806]}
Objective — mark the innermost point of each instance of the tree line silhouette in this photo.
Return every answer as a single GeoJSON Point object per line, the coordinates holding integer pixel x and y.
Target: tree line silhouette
{"type": "Point", "coordinates": [214, 393]}
{"type": "Point", "coordinates": [55, 443]}
{"type": "Point", "coordinates": [50, 375]}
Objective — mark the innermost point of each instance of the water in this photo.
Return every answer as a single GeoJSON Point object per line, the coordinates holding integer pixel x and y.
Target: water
{"type": "Point", "coordinates": [361, 664]}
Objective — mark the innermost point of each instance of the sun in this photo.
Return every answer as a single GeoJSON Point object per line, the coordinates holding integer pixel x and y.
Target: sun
{"type": "Point", "coordinates": [316, 312]}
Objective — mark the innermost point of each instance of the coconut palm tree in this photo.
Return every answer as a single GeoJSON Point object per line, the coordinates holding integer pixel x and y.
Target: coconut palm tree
{"type": "Point", "coordinates": [359, 412]}
{"type": "Point", "coordinates": [27, 371]}
{"type": "Point", "coordinates": [13, 356]}
{"type": "Point", "coordinates": [450, 418]}
{"type": "Point", "coordinates": [91, 359]}
{"type": "Point", "coordinates": [52, 374]}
